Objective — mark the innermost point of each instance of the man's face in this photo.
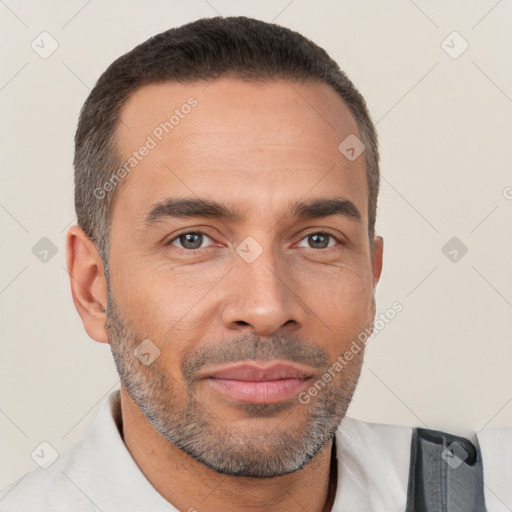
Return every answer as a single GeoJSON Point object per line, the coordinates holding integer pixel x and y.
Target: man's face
{"type": "Point", "coordinates": [267, 285]}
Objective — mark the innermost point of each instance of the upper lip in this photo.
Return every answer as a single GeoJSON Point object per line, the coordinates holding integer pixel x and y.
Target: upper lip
{"type": "Point", "coordinates": [259, 372]}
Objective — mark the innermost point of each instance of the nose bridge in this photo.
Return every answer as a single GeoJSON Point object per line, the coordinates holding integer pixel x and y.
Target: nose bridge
{"type": "Point", "coordinates": [262, 294]}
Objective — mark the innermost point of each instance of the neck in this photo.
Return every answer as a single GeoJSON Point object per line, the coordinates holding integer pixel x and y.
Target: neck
{"type": "Point", "coordinates": [189, 485]}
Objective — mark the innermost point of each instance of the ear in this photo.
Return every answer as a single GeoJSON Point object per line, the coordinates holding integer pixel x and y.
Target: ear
{"type": "Point", "coordinates": [378, 250]}
{"type": "Point", "coordinates": [88, 283]}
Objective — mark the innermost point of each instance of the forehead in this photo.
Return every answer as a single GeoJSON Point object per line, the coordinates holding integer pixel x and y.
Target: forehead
{"type": "Point", "coordinates": [235, 140]}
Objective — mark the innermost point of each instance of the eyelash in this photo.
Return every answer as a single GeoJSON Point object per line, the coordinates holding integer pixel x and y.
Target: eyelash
{"type": "Point", "coordinates": [199, 232]}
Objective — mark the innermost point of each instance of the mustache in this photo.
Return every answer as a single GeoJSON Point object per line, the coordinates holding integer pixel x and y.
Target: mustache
{"type": "Point", "coordinates": [290, 347]}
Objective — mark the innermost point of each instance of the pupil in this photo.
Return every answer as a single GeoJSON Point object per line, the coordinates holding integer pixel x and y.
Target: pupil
{"type": "Point", "coordinates": [319, 239]}
{"type": "Point", "coordinates": [188, 242]}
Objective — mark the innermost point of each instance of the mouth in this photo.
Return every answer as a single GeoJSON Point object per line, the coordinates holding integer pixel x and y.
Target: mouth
{"type": "Point", "coordinates": [259, 383]}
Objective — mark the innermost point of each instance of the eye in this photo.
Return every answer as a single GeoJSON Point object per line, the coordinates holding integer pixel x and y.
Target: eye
{"type": "Point", "coordinates": [191, 240]}
{"type": "Point", "coordinates": [320, 240]}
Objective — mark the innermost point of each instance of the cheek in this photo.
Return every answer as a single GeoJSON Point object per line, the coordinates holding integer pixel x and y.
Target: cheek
{"type": "Point", "coordinates": [341, 308]}
{"type": "Point", "coordinates": [341, 295]}
{"type": "Point", "coordinates": [155, 299]}
{"type": "Point", "coordinates": [169, 312]}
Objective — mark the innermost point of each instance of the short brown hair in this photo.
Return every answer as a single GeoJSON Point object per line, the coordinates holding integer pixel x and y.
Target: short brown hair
{"type": "Point", "coordinates": [205, 49]}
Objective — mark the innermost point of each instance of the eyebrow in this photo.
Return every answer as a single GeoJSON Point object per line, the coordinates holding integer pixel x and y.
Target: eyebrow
{"type": "Point", "coordinates": [183, 208]}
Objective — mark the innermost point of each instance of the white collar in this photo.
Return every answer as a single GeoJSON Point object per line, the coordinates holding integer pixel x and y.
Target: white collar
{"type": "Point", "coordinates": [373, 466]}
{"type": "Point", "coordinates": [102, 466]}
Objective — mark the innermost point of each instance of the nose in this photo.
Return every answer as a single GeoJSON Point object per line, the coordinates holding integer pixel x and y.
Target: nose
{"type": "Point", "coordinates": [262, 297]}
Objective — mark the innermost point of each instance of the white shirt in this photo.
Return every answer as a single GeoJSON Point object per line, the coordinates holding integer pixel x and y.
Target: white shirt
{"type": "Point", "coordinates": [496, 448]}
{"type": "Point", "coordinates": [98, 474]}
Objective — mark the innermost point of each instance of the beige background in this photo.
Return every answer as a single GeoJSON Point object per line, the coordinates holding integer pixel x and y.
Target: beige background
{"type": "Point", "coordinates": [445, 132]}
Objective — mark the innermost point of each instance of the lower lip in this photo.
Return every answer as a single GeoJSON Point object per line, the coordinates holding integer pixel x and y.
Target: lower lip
{"type": "Point", "coordinates": [269, 391]}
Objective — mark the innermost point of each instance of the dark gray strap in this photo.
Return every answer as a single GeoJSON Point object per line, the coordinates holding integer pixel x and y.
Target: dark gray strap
{"type": "Point", "coordinates": [445, 474]}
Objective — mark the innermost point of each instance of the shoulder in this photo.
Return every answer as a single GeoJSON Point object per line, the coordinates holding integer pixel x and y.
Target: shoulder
{"type": "Point", "coordinates": [367, 436]}
{"type": "Point", "coordinates": [42, 490]}
{"type": "Point", "coordinates": [373, 465]}
{"type": "Point", "coordinates": [65, 484]}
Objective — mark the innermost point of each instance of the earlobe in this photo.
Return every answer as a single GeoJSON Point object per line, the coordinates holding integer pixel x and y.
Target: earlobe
{"type": "Point", "coordinates": [88, 283]}
{"type": "Point", "coordinates": [377, 259]}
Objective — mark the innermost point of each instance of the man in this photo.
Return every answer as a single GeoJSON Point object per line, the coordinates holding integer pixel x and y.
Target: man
{"type": "Point", "coordinates": [226, 183]}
